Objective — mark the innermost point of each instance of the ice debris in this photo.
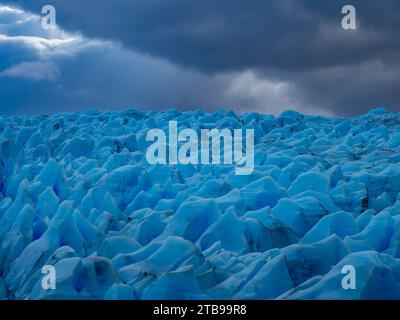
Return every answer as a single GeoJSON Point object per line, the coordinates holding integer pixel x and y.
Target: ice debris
{"type": "Point", "coordinates": [76, 193]}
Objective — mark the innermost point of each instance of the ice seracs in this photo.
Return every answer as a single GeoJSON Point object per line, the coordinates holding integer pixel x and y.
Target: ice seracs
{"type": "Point", "coordinates": [78, 193]}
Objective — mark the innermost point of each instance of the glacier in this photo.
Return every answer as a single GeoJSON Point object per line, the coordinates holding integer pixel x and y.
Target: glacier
{"type": "Point", "coordinates": [77, 193]}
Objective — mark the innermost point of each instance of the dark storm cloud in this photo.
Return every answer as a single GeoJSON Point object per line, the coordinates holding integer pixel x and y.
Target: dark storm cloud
{"type": "Point", "coordinates": [99, 76]}
{"type": "Point", "coordinates": [55, 71]}
{"type": "Point", "coordinates": [349, 90]}
{"type": "Point", "coordinates": [299, 43]}
{"type": "Point", "coordinates": [216, 35]}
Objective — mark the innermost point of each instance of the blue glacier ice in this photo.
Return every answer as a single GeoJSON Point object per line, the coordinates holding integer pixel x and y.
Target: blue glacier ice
{"type": "Point", "coordinates": [77, 193]}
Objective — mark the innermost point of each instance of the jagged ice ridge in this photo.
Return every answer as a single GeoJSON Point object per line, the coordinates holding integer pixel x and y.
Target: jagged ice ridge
{"type": "Point", "coordinates": [77, 193]}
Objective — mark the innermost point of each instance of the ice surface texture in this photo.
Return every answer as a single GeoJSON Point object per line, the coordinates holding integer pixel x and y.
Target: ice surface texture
{"type": "Point", "coordinates": [77, 193]}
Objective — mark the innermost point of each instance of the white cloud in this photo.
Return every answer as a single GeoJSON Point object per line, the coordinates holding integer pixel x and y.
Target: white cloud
{"type": "Point", "coordinates": [42, 45]}
{"type": "Point", "coordinates": [254, 93]}
{"type": "Point", "coordinates": [24, 29]}
{"type": "Point", "coordinates": [38, 70]}
{"type": "Point", "coordinates": [6, 9]}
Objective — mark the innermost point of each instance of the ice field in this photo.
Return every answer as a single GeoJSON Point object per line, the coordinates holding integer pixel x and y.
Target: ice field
{"type": "Point", "coordinates": [77, 193]}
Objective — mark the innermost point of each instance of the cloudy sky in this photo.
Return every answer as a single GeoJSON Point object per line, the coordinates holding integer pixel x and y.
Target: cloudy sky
{"type": "Point", "coordinates": [258, 55]}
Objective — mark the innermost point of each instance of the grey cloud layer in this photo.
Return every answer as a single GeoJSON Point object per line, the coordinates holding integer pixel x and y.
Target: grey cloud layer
{"type": "Point", "coordinates": [49, 72]}
{"type": "Point", "coordinates": [225, 35]}
{"type": "Point", "coordinates": [296, 42]}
